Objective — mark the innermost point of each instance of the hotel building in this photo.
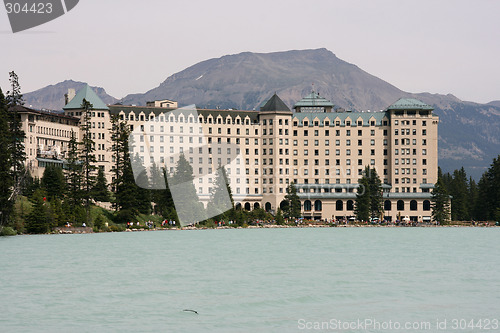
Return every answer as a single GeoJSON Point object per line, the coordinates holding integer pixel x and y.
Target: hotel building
{"type": "Point", "coordinates": [321, 149]}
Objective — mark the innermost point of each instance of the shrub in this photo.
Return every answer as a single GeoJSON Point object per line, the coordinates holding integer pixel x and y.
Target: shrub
{"type": "Point", "coordinates": [8, 231]}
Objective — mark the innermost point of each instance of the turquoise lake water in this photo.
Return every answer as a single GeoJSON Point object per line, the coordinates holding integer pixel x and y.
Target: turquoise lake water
{"type": "Point", "coordinates": [249, 280]}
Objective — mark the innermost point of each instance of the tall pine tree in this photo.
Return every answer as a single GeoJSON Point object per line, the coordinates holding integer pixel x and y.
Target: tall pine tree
{"type": "Point", "coordinates": [369, 196]}
{"type": "Point", "coordinates": [16, 146]}
{"type": "Point", "coordinates": [87, 156]}
{"type": "Point", "coordinates": [440, 203]}
{"type": "Point", "coordinates": [219, 203]}
{"type": "Point", "coordinates": [458, 188]}
{"type": "Point", "coordinates": [189, 208]}
{"type": "Point", "coordinates": [53, 182]}
{"type": "Point", "coordinates": [293, 205]}
{"type": "Point", "coordinates": [73, 173]}
{"type": "Point", "coordinates": [100, 190]}
{"type": "Point", "coordinates": [6, 179]}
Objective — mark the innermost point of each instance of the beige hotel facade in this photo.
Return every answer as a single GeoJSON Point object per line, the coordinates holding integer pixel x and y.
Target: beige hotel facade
{"type": "Point", "coordinates": [322, 150]}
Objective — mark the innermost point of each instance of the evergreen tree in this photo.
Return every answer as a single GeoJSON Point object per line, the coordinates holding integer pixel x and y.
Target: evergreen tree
{"type": "Point", "coordinates": [163, 199]}
{"type": "Point", "coordinates": [53, 182]}
{"type": "Point", "coordinates": [279, 217]}
{"type": "Point", "coordinates": [30, 185]}
{"type": "Point", "coordinates": [87, 156]}
{"type": "Point", "coordinates": [17, 135]}
{"type": "Point", "coordinates": [38, 221]}
{"type": "Point", "coordinates": [369, 196]}
{"type": "Point", "coordinates": [158, 184]}
{"type": "Point", "coordinates": [363, 204]}
{"type": "Point", "coordinates": [472, 195]}
{"type": "Point", "coordinates": [118, 135]}
{"type": "Point", "coordinates": [126, 189]}
{"type": "Point", "coordinates": [376, 195]}
{"type": "Point", "coordinates": [189, 208]}
{"type": "Point", "coordinates": [460, 196]}
{"type": "Point", "coordinates": [440, 203]}
{"type": "Point", "coordinates": [143, 194]}
{"type": "Point", "coordinates": [293, 204]}
{"type": "Point", "coordinates": [73, 172]}
{"type": "Point", "coordinates": [6, 179]}
{"type": "Point", "coordinates": [488, 202]}
{"type": "Point", "coordinates": [100, 190]}
{"type": "Point", "coordinates": [482, 207]}
{"type": "Point", "coordinates": [218, 203]}
{"type": "Point", "coordinates": [56, 212]}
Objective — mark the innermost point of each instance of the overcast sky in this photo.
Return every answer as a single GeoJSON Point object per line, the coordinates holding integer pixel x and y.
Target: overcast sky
{"type": "Point", "coordinates": [127, 46]}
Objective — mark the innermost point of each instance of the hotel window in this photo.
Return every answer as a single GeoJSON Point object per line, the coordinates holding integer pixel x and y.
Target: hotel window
{"type": "Point", "coordinates": [360, 152]}
{"type": "Point", "coordinates": [306, 142]}
{"type": "Point", "coordinates": [424, 132]}
{"type": "Point", "coordinates": [337, 142]}
{"type": "Point", "coordinates": [348, 132]}
{"type": "Point", "coordinates": [327, 152]}
{"type": "Point", "coordinates": [306, 152]}
{"type": "Point", "coordinates": [337, 132]}
{"type": "Point", "coordinates": [372, 152]}
{"type": "Point", "coordinates": [396, 161]}
{"type": "Point", "coordinates": [348, 162]}
{"type": "Point", "coordinates": [360, 132]}
{"type": "Point", "coordinates": [348, 152]}
{"type": "Point", "coordinates": [327, 142]}
{"type": "Point", "coordinates": [372, 142]}
{"type": "Point", "coordinates": [372, 162]}
{"type": "Point", "coordinates": [424, 151]}
{"type": "Point", "coordinates": [337, 152]}
{"type": "Point", "coordinates": [316, 142]}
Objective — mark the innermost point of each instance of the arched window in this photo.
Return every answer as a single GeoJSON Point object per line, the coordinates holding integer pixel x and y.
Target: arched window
{"type": "Point", "coordinates": [427, 205]}
{"type": "Point", "coordinates": [413, 205]}
{"type": "Point", "coordinates": [339, 205]}
{"type": "Point", "coordinates": [317, 205]}
{"type": "Point", "coordinates": [256, 205]}
{"type": "Point", "coordinates": [350, 205]}
{"type": "Point", "coordinates": [238, 206]}
{"type": "Point", "coordinates": [307, 205]}
{"type": "Point", "coordinates": [268, 206]}
{"type": "Point", "coordinates": [401, 205]}
{"type": "Point", "coordinates": [284, 205]}
{"type": "Point", "coordinates": [247, 206]}
{"type": "Point", "coordinates": [387, 205]}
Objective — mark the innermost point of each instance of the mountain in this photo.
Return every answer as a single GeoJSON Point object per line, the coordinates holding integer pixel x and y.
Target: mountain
{"type": "Point", "coordinates": [245, 80]}
{"type": "Point", "coordinates": [469, 133]}
{"type": "Point", "coordinates": [494, 103]}
{"type": "Point", "coordinates": [52, 97]}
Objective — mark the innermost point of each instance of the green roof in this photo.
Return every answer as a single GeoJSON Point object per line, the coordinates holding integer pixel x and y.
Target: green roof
{"type": "Point", "coordinates": [313, 99]}
{"type": "Point", "coordinates": [89, 95]}
{"type": "Point", "coordinates": [274, 104]}
{"type": "Point", "coordinates": [410, 104]}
